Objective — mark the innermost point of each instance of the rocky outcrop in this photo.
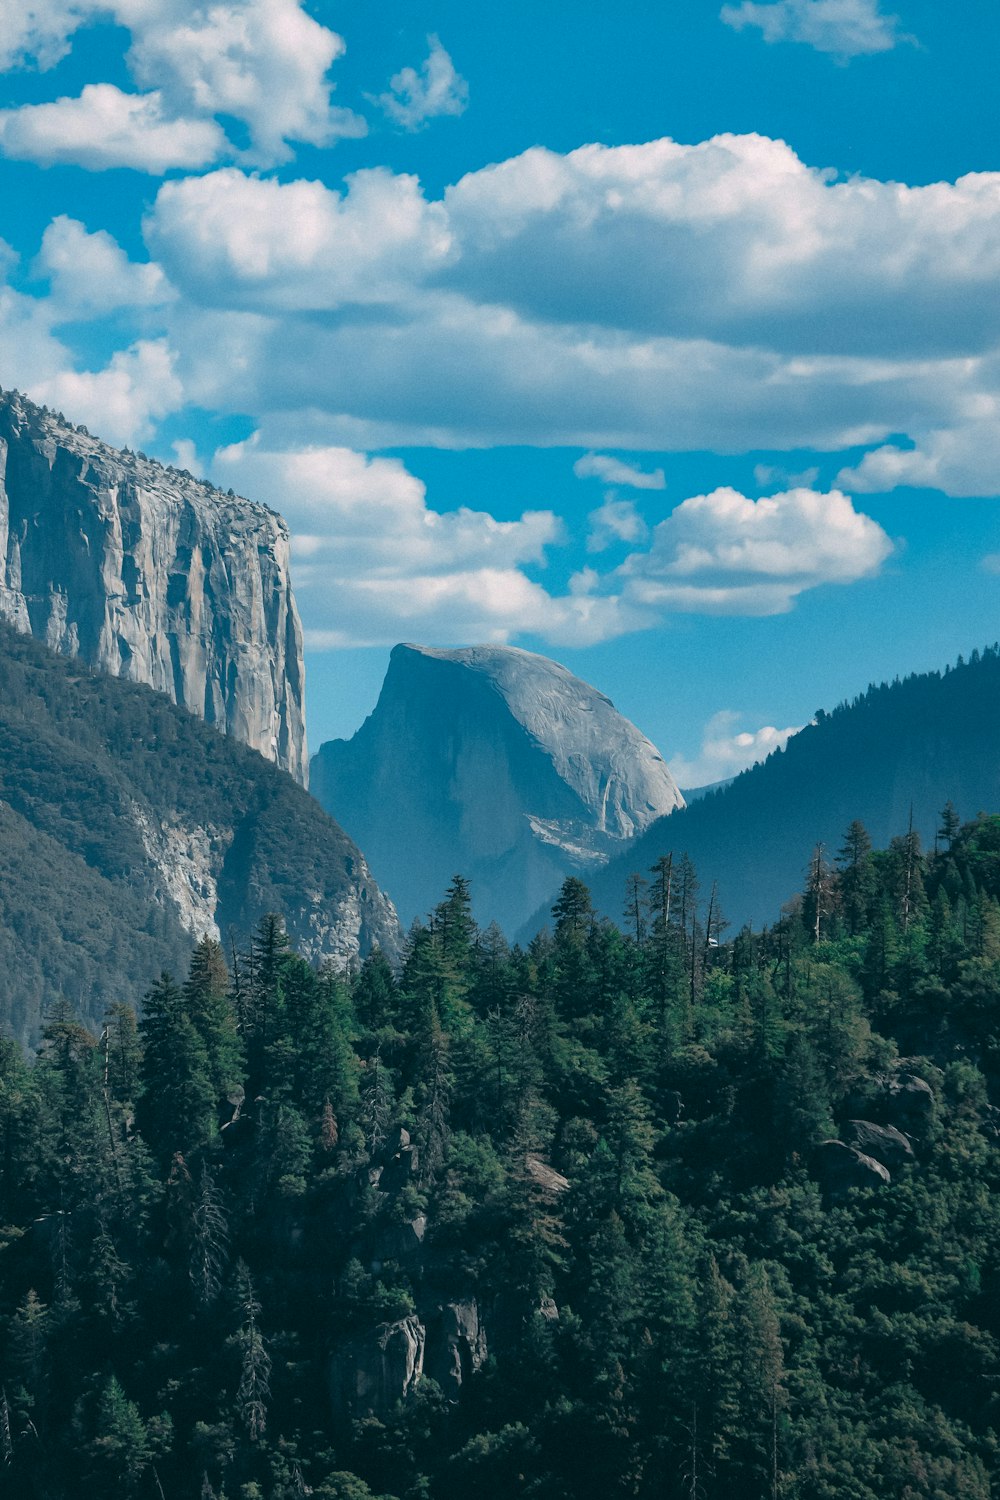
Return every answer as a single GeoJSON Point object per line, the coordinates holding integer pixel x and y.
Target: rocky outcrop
{"type": "Point", "coordinates": [494, 763]}
{"type": "Point", "coordinates": [884, 1142]}
{"type": "Point", "coordinates": [129, 829]}
{"type": "Point", "coordinates": [372, 1373]}
{"type": "Point", "coordinates": [841, 1167]}
{"type": "Point", "coordinates": [151, 575]}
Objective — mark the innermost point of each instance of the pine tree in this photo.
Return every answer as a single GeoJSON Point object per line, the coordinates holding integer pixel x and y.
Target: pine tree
{"type": "Point", "coordinates": [254, 1390]}
{"type": "Point", "coordinates": [177, 1108]}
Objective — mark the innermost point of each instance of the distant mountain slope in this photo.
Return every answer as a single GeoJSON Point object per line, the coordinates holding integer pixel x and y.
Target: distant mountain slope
{"type": "Point", "coordinates": [128, 828]}
{"type": "Point", "coordinates": [151, 575]}
{"type": "Point", "coordinates": [494, 763]}
{"type": "Point", "coordinates": [920, 741]}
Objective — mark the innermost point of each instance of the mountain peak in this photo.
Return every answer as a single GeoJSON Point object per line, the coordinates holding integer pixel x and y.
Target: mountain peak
{"type": "Point", "coordinates": [495, 762]}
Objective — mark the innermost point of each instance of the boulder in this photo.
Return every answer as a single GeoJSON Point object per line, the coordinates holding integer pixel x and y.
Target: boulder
{"type": "Point", "coordinates": [549, 1180]}
{"type": "Point", "coordinates": [884, 1142]}
{"type": "Point", "coordinates": [841, 1167]}
{"type": "Point", "coordinates": [910, 1099]}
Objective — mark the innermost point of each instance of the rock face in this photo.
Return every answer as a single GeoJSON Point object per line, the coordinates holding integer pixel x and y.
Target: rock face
{"type": "Point", "coordinates": [129, 829]}
{"type": "Point", "coordinates": [841, 1167]}
{"type": "Point", "coordinates": [153, 576]}
{"type": "Point", "coordinates": [884, 1142]}
{"type": "Point", "coordinates": [445, 1342]}
{"type": "Point", "coordinates": [493, 763]}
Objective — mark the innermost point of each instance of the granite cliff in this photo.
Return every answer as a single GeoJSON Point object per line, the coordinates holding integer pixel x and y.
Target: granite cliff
{"type": "Point", "coordinates": [494, 763]}
{"type": "Point", "coordinates": [129, 829]}
{"type": "Point", "coordinates": [151, 575]}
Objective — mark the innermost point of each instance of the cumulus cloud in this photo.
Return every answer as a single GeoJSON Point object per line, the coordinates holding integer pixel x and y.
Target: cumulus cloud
{"type": "Point", "coordinates": [90, 273]}
{"type": "Point", "coordinates": [105, 127]}
{"type": "Point", "coordinates": [726, 750]}
{"type": "Point", "coordinates": [726, 554]}
{"type": "Point", "coordinates": [263, 63]}
{"type": "Point", "coordinates": [123, 401]}
{"type": "Point", "coordinates": [843, 28]}
{"type": "Point", "coordinates": [415, 97]}
{"type": "Point", "coordinates": [297, 245]}
{"type": "Point", "coordinates": [373, 562]}
{"type": "Point", "coordinates": [963, 459]}
{"type": "Point", "coordinates": [615, 521]}
{"type": "Point", "coordinates": [613, 471]}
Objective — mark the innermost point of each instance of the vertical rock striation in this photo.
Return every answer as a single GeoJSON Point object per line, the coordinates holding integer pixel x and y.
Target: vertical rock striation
{"type": "Point", "coordinates": [494, 763]}
{"type": "Point", "coordinates": [151, 575]}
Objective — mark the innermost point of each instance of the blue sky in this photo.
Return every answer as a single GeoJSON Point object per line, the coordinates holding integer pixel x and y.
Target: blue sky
{"type": "Point", "coordinates": [660, 339]}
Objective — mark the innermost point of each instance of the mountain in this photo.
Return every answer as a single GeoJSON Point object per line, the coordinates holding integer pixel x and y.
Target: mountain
{"type": "Point", "coordinates": [914, 744]}
{"type": "Point", "coordinates": [493, 763]}
{"type": "Point", "coordinates": [129, 828]}
{"type": "Point", "coordinates": [151, 575]}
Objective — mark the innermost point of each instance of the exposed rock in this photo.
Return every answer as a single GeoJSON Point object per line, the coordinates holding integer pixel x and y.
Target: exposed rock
{"type": "Point", "coordinates": [841, 1167]}
{"type": "Point", "coordinates": [911, 1099]}
{"type": "Point", "coordinates": [370, 1374]}
{"type": "Point", "coordinates": [150, 575]}
{"type": "Point", "coordinates": [129, 829]}
{"type": "Point", "coordinates": [884, 1142]}
{"type": "Point", "coordinates": [402, 1243]}
{"type": "Point", "coordinates": [551, 1181]}
{"type": "Point", "coordinates": [456, 1345]}
{"type": "Point", "coordinates": [494, 762]}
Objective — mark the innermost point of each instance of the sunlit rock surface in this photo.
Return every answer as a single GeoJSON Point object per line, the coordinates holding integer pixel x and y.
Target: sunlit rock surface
{"type": "Point", "coordinates": [493, 763]}
{"type": "Point", "coordinates": [151, 575]}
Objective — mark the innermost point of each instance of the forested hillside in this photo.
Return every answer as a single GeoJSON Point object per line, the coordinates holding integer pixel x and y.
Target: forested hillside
{"type": "Point", "coordinates": [654, 1211]}
{"type": "Point", "coordinates": [128, 828]}
{"type": "Point", "coordinates": [901, 746]}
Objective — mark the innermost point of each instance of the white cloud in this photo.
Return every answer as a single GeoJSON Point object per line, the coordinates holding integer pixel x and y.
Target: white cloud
{"type": "Point", "coordinates": [770, 476]}
{"type": "Point", "coordinates": [39, 31]}
{"type": "Point", "coordinates": [263, 62]}
{"type": "Point", "coordinates": [124, 400]}
{"type": "Point", "coordinates": [615, 521]}
{"type": "Point", "coordinates": [963, 459]}
{"type": "Point", "coordinates": [374, 563]}
{"type": "Point", "coordinates": [90, 273]}
{"type": "Point", "coordinates": [768, 305]}
{"type": "Point", "coordinates": [104, 128]}
{"type": "Point", "coordinates": [843, 28]}
{"type": "Point", "coordinates": [613, 471]}
{"type": "Point", "coordinates": [416, 97]}
{"type": "Point", "coordinates": [297, 245]}
{"type": "Point", "coordinates": [726, 750]}
{"type": "Point", "coordinates": [726, 554]}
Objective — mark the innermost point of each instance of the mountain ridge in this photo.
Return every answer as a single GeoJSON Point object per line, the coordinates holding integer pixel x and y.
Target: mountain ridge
{"type": "Point", "coordinates": [912, 744]}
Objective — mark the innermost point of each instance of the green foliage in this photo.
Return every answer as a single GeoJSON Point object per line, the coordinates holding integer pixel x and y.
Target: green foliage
{"type": "Point", "coordinates": [607, 1144]}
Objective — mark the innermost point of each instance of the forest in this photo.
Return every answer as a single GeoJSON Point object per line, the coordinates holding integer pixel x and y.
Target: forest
{"type": "Point", "coordinates": [653, 1209]}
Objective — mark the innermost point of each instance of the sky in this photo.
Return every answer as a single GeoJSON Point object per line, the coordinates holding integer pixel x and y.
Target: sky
{"type": "Point", "coordinates": [663, 340]}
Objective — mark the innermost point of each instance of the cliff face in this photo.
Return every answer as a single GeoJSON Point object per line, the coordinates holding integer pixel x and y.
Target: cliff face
{"type": "Point", "coordinates": [150, 575]}
{"type": "Point", "coordinates": [129, 830]}
{"type": "Point", "coordinates": [496, 764]}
